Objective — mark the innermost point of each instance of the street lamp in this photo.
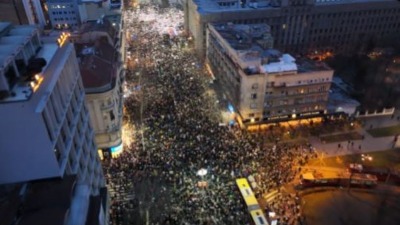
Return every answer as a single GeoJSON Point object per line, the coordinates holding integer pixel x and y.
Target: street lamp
{"type": "Point", "coordinates": [366, 157]}
{"type": "Point", "coordinates": [202, 172]}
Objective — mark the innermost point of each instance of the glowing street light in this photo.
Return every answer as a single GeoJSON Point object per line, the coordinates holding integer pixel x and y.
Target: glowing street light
{"type": "Point", "coordinates": [366, 157]}
{"type": "Point", "coordinates": [202, 172]}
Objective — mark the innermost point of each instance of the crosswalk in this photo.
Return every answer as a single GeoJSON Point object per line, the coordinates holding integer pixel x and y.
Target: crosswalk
{"type": "Point", "coordinates": [270, 196]}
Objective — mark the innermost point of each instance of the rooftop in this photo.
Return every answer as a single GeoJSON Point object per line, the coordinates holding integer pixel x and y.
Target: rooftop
{"type": "Point", "coordinates": [233, 5]}
{"type": "Point", "coordinates": [35, 147]}
{"type": "Point", "coordinates": [205, 6]}
{"type": "Point", "coordinates": [339, 100]}
{"type": "Point", "coordinates": [100, 25]}
{"type": "Point", "coordinates": [98, 65]}
{"type": "Point", "coordinates": [59, 1]}
{"type": "Point", "coordinates": [251, 47]}
{"type": "Point", "coordinates": [15, 44]}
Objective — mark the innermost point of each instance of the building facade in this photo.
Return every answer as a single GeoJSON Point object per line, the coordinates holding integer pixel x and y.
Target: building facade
{"type": "Point", "coordinates": [263, 84]}
{"type": "Point", "coordinates": [338, 26]}
{"type": "Point", "coordinates": [43, 107]}
{"type": "Point", "coordinates": [13, 11]}
{"type": "Point", "coordinates": [63, 14]}
{"type": "Point", "coordinates": [101, 65]}
{"type": "Point", "coordinates": [95, 9]}
{"type": "Point", "coordinates": [23, 12]}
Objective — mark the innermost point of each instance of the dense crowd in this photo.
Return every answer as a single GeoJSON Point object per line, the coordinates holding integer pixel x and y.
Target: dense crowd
{"type": "Point", "coordinates": [155, 180]}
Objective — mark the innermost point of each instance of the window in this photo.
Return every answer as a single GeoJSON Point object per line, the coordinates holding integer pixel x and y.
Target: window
{"type": "Point", "coordinates": [112, 116]}
{"type": "Point", "coordinates": [253, 106]}
{"type": "Point", "coordinates": [269, 93]}
{"type": "Point", "coordinates": [268, 103]}
{"type": "Point", "coordinates": [251, 114]}
{"type": "Point", "coordinates": [254, 86]}
{"type": "Point", "coordinates": [253, 96]}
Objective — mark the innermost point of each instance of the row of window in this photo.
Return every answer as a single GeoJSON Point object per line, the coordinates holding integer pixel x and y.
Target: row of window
{"type": "Point", "coordinates": [343, 18]}
{"type": "Point", "coordinates": [222, 60]}
{"type": "Point", "coordinates": [65, 19]}
{"type": "Point", "coordinates": [299, 82]}
{"type": "Point", "coordinates": [61, 12]}
{"type": "Point", "coordinates": [275, 103]}
{"type": "Point", "coordinates": [290, 111]}
{"type": "Point", "coordinates": [295, 92]}
{"type": "Point", "coordinates": [61, 6]}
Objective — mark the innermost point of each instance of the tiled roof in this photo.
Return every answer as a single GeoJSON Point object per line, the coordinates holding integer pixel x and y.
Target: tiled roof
{"type": "Point", "coordinates": [98, 64]}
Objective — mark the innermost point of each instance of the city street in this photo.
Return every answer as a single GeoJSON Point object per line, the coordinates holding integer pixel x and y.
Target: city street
{"type": "Point", "coordinates": [174, 114]}
{"type": "Point", "coordinates": [175, 118]}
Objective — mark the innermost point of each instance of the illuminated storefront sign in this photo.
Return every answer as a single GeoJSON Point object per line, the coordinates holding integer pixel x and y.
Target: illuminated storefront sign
{"type": "Point", "coordinates": [116, 150]}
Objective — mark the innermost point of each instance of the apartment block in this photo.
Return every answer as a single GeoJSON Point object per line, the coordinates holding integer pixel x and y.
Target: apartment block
{"type": "Point", "coordinates": [98, 44]}
{"type": "Point", "coordinates": [302, 26]}
{"type": "Point", "coordinates": [46, 131]}
{"type": "Point", "coordinates": [263, 84]}
{"type": "Point", "coordinates": [63, 14]}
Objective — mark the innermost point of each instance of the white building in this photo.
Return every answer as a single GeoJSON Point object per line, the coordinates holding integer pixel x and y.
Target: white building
{"type": "Point", "coordinates": [95, 9]}
{"type": "Point", "coordinates": [98, 45]}
{"type": "Point", "coordinates": [46, 126]}
{"type": "Point", "coordinates": [46, 131]}
{"type": "Point", "coordinates": [63, 14]}
{"type": "Point", "coordinates": [263, 84]}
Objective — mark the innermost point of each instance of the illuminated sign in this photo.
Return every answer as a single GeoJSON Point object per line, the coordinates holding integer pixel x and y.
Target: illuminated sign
{"type": "Point", "coordinates": [311, 113]}
{"type": "Point", "coordinates": [278, 117]}
{"type": "Point", "coordinates": [116, 150]}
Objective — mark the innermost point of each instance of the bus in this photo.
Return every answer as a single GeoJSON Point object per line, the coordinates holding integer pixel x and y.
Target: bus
{"type": "Point", "coordinates": [251, 202]}
{"type": "Point", "coordinates": [315, 179]}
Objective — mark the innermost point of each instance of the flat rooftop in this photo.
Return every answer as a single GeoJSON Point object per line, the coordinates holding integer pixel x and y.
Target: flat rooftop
{"type": "Point", "coordinates": [232, 5]}
{"type": "Point", "coordinates": [24, 142]}
{"type": "Point", "coordinates": [253, 47]}
{"type": "Point", "coordinates": [13, 41]}
{"type": "Point", "coordinates": [206, 6]}
{"type": "Point", "coordinates": [100, 25]}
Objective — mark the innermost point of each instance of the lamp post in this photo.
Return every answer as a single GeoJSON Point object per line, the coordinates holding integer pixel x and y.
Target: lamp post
{"type": "Point", "coordinates": [202, 172]}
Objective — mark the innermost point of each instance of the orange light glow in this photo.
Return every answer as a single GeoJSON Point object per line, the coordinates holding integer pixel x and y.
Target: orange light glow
{"type": "Point", "coordinates": [63, 38]}
{"type": "Point", "coordinates": [35, 84]}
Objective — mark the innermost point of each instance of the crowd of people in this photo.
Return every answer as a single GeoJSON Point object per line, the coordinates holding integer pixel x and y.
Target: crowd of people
{"type": "Point", "coordinates": [177, 132]}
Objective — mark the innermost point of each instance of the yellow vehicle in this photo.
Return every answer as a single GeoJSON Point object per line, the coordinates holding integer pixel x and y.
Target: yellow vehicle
{"type": "Point", "coordinates": [251, 202]}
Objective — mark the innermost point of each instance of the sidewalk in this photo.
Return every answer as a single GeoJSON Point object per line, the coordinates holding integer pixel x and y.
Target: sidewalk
{"type": "Point", "coordinates": [369, 144]}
